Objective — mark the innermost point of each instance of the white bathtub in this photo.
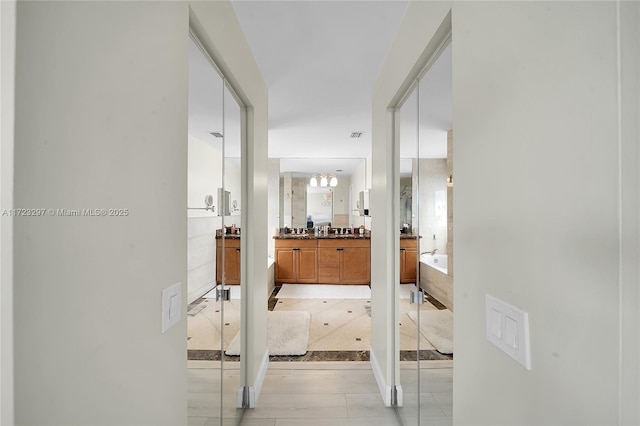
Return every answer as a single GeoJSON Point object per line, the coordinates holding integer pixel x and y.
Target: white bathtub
{"type": "Point", "coordinates": [434, 278]}
{"type": "Point", "coordinates": [436, 261]}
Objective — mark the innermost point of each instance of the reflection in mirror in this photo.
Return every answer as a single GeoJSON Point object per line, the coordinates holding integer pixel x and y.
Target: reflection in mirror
{"type": "Point", "coordinates": [408, 152]}
{"type": "Point", "coordinates": [205, 157]}
{"type": "Point", "coordinates": [319, 206]}
{"type": "Point", "coordinates": [299, 202]}
{"type": "Point", "coordinates": [409, 331]}
{"type": "Point", "coordinates": [204, 122]}
{"type": "Point", "coordinates": [232, 152]}
{"type": "Point", "coordinates": [435, 121]}
{"type": "Point", "coordinates": [435, 168]}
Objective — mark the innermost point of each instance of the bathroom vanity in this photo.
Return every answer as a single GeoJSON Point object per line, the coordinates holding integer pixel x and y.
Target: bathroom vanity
{"type": "Point", "coordinates": [331, 259]}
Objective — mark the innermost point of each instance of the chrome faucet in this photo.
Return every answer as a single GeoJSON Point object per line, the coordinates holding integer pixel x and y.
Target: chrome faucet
{"type": "Point", "coordinates": [430, 252]}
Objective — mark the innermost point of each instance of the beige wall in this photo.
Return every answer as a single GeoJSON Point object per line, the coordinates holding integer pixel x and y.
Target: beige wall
{"type": "Point", "coordinates": [629, 15]}
{"type": "Point", "coordinates": [554, 108]}
{"type": "Point", "coordinates": [542, 133]}
{"type": "Point", "coordinates": [108, 91]}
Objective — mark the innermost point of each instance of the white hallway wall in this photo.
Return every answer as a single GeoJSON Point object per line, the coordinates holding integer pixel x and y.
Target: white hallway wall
{"type": "Point", "coordinates": [547, 181]}
{"type": "Point", "coordinates": [108, 92]}
{"type": "Point", "coordinates": [7, 88]}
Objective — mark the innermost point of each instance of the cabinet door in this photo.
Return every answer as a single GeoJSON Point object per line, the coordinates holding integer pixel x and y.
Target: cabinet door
{"type": "Point", "coordinates": [285, 267]}
{"type": "Point", "coordinates": [356, 265]}
{"type": "Point", "coordinates": [307, 265]}
{"type": "Point", "coordinates": [218, 263]}
{"type": "Point", "coordinates": [329, 265]}
{"type": "Point", "coordinates": [232, 265]}
{"type": "Point", "coordinates": [410, 263]}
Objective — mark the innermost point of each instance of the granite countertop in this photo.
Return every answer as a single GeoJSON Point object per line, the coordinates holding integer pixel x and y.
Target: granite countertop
{"type": "Point", "coordinates": [227, 235]}
{"type": "Point", "coordinates": [333, 236]}
{"type": "Point", "coordinates": [408, 236]}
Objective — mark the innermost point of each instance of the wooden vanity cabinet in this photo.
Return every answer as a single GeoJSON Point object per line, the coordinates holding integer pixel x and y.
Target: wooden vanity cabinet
{"type": "Point", "coordinates": [408, 260]}
{"type": "Point", "coordinates": [344, 261]}
{"type": "Point", "coordinates": [296, 261]}
{"type": "Point", "coordinates": [231, 260]}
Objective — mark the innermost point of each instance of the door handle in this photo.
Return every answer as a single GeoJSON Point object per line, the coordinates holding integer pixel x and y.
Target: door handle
{"type": "Point", "coordinates": [340, 249]}
{"type": "Point", "coordinates": [296, 249]}
{"type": "Point", "coordinates": [402, 249]}
{"type": "Point", "coordinates": [237, 249]}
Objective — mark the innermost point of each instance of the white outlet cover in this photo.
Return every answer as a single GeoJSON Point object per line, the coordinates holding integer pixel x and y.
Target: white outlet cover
{"type": "Point", "coordinates": [507, 327]}
{"type": "Point", "coordinates": [171, 306]}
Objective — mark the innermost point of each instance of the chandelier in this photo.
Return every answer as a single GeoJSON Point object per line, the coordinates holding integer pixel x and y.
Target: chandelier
{"type": "Point", "coordinates": [323, 179]}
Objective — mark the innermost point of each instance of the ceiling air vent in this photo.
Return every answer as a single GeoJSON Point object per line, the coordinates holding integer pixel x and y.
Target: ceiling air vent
{"type": "Point", "coordinates": [356, 135]}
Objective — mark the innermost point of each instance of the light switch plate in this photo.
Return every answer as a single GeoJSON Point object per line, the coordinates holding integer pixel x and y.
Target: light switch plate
{"type": "Point", "coordinates": [171, 306]}
{"type": "Point", "coordinates": [507, 327]}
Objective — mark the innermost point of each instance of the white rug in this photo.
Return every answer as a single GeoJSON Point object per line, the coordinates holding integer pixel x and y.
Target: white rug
{"type": "Point", "coordinates": [287, 334]}
{"type": "Point", "coordinates": [235, 292]}
{"type": "Point", "coordinates": [324, 291]}
{"type": "Point", "coordinates": [437, 327]}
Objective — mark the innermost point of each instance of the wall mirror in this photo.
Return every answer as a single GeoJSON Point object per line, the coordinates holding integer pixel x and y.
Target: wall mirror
{"type": "Point", "coordinates": [301, 203]}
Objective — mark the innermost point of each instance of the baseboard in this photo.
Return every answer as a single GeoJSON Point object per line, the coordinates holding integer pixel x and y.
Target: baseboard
{"type": "Point", "coordinates": [254, 391]}
{"type": "Point", "coordinates": [385, 389]}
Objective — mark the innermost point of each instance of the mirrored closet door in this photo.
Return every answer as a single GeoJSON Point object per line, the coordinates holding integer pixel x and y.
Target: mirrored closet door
{"type": "Point", "coordinates": [214, 247]}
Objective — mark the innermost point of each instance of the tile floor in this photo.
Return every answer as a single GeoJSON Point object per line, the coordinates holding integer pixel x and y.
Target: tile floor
{"type": "Point", "coordinates": [336, 325]}
{"type": "Point", "coordinates": [313, 393]}
{"type": "Point", "coordinates": [320, 394]}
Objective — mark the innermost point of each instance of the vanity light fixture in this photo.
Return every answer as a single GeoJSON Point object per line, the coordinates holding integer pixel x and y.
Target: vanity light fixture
{"type": "Point", "coordinates": [325, 179]}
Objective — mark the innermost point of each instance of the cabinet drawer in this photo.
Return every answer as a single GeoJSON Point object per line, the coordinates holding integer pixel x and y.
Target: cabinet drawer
{"type": "Point", "coordinates": [229, 242]}
{"type": "Point", "coordinates": [329, 274]}
{"type": "Point", "coordinates": [408, 243]}
{"type": "Point", "coordinates": [301, 243]}
{"type": "Point", "coordinates": [344, 242]}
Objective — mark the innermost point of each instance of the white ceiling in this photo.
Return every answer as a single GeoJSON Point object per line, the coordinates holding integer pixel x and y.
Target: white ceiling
{"type": "Point", "coordinates": [320, 60]}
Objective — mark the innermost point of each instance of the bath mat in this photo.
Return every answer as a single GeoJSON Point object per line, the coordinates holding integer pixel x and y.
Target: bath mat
{"type": "Point", "coordinates": [235, 292]}
{"type": "Point", "coordinates": [437, 327]}
{"type": "Point", "coordinates": [324, 291]}
{"type": "Point", "coordinates": [287, 334]}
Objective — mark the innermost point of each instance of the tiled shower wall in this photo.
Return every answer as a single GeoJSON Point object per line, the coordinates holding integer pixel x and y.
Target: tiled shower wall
{"type": "Point", "coordinates": [433, 191]}
{"type": "Point", "coordinates": [273, 197]}
{"type": "Point", "coordinates": [201, 260]}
